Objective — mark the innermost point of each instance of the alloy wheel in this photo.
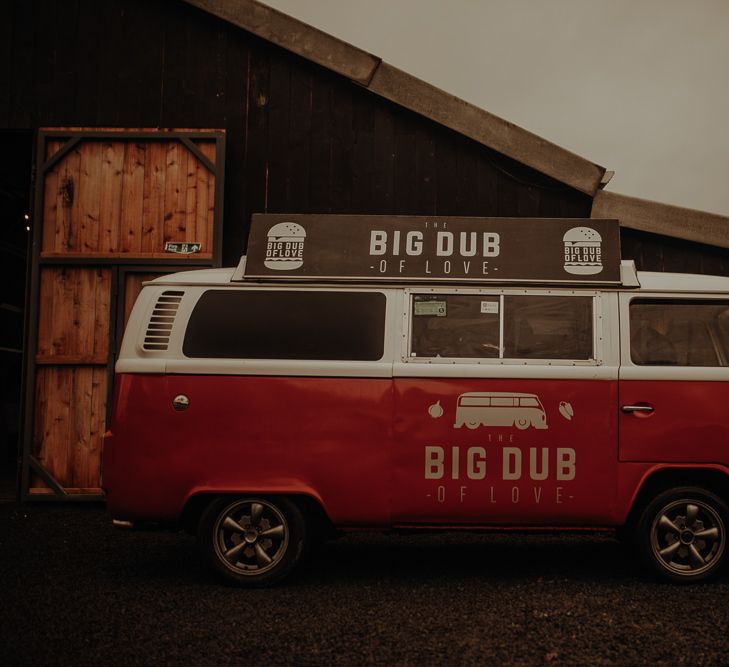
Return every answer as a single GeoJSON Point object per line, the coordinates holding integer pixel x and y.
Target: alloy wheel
{"type": "Point", "coordinates": [688, 537]}
{"type": "Point", "coordinates": [250, 536]}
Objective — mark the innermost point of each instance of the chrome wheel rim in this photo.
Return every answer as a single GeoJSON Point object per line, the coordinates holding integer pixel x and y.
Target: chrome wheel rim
{"type": "Point", "coordinates": [688, 537]}
{"type": "Point", "coordinates": [250, 536]}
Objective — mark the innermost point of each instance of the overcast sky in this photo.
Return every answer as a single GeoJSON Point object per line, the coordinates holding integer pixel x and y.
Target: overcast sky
{"type": "Point", "coordinates": [637, 86]}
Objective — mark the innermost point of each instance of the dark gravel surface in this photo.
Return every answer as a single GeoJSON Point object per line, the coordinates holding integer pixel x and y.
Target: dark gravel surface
{"type": "Point", "coordinates": [76, 590]}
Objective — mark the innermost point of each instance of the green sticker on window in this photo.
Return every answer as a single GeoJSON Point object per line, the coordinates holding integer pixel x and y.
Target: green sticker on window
{"type": "Point", "coordinates": [437, 308]}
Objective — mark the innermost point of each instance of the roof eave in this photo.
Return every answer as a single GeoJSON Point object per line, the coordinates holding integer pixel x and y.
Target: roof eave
{"type": "Point", "coordinates": [659, 218]}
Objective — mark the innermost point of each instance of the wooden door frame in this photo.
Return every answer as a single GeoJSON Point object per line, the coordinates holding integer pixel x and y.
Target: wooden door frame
{"type": "Point", "coordinates": [119, 267]}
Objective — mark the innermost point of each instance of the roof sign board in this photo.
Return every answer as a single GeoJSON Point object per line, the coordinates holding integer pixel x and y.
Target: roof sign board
{"type": "Point", "coordinates": [416, 249]}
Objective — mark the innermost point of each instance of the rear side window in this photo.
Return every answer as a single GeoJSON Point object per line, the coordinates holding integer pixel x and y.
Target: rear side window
{"type": "Point", "coordinates": [508, 327]}
{"type": "Point", "coordinates": [271, 324]}
{"type": "Point", "coordinates": [679, 332]}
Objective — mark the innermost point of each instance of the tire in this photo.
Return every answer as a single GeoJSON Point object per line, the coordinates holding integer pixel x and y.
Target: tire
{"type": "Point", "coordinates": [252, 541]}
{"type": "Point", "coordinates": [681, 535]}
{"type": "Point", "coordinates": [522, 423]}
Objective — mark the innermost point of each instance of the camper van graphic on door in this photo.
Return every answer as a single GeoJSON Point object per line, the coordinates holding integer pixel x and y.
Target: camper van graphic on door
{"type": "Point", "coordinates": [498, 408]}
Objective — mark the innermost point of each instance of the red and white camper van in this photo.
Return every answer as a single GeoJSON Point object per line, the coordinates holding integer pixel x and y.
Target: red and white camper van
{"type": "Point", "coordinates": [258, 410]}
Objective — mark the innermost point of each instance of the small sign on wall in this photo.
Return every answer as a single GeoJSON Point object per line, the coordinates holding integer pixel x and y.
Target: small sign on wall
{"type": "Point", "coordinates": [182, 248]}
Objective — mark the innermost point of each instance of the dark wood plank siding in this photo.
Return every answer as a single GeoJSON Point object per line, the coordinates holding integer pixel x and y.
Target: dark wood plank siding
{"type": "Point", "coordinates": [6, 48]}
{"type": "Point", "coordinates": [653, 252]}
{"type": "Point", "coordinates": [299, 138]}
{"type": "Point", "coordinates": [320, 157]}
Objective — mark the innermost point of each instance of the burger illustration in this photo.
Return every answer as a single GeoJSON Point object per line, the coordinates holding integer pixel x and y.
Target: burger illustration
{"type": "Point", "coordinates": [285, 246]}
{"type": "Point", "coordinates": [582, 251]}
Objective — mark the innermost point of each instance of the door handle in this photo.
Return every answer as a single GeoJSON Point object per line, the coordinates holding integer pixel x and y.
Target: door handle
{"type": "Point", "coordinates": [637, 408]}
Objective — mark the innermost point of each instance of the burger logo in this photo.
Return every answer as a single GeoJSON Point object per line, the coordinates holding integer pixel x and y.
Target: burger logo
{"type": "Point", "coordinates": [582, 251]}
{"type": "Point", "coordinates": [285, 247]}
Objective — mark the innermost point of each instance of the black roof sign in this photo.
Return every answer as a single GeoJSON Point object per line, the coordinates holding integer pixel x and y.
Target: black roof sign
{"type": "Point", "coordinates": [433, 248]}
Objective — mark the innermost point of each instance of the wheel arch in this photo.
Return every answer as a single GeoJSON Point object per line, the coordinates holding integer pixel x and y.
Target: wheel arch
{"type": "Point", "coordinates": [310, 505]}
{"type": "Point", "coordinates": [713, 478]}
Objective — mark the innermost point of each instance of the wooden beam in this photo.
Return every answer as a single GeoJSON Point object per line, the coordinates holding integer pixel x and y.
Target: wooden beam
{"type": "Point", "coordinates": [71, 360]}
{"type": "Point", "coordinates": [54, 487]}
{"type": "Point", "coordinates": [666, 219]}
{"type": "Point", "coordinates": [295, 36]}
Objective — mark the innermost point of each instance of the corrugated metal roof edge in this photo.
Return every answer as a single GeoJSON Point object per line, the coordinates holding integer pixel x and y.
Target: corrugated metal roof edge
{"type": "Point", "coordinates": [408, 91]}
{"type": "Point", "coordinates": [659, 218]}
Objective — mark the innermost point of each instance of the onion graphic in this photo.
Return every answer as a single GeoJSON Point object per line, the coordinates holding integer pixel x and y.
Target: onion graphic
{"type": "Point", "coordinates": [435, 410]}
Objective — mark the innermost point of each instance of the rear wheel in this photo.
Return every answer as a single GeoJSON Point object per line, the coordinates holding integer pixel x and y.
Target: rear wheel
{"type": "Point", "coordinates": [252, 541]}
{"type": "Point", "coordinates": [682, 534]}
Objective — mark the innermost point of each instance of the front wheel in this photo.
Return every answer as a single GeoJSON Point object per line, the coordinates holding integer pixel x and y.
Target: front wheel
{"type": "Point", "coordinates": [682, 534]}
{"type": "Point", "coordinates": [252, 541]}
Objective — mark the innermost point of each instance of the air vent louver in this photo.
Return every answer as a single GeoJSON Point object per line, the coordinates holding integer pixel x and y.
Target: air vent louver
{"type": "Point", "coordinates": [157, 336]}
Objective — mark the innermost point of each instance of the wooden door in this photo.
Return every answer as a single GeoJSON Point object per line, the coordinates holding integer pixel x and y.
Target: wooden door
{"type": "Point", "coordinates": [107, 200]}
{"type": "Point", "coordinates": [116, 197]}
{"type": "Point", "coordinates": [71, 376]}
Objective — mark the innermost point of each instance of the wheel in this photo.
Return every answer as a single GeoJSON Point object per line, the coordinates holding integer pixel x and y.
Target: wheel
{"type": "Point", "coordinates": [252, 541]}
{"type": "Point", "coordinates": [473, 425]}
{"type": "Point", "coordinates": [521, 423]}
{"type": "Point", "coordinates": [681, 534]}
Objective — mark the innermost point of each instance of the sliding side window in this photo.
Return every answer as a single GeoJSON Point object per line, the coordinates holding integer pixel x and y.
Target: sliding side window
{"type": "Point", "coordinates": [456, 326]}
{"type": "Point", "coordinates": [478, 326]}
{"type": "Point", "coordinates": [548, 327]}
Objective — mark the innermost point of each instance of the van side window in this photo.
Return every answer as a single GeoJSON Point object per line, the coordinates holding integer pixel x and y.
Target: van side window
{"type": "Point", "coordinates": [455, 325]}
{"type": "Point", "coordinates": [273, 324]}
{"type": "Point", "coordinates": [548, 327]}
{"type": "Point", "coordinates": [679, 332]}
{"type": "Point", "coordinates": [491, 327]}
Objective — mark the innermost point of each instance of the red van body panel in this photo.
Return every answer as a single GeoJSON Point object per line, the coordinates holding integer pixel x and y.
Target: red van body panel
{"type": "Point", "coordinates": [338, 441]}
{"type": "Point", "coordinates": [562, 470]}
{"type": "Point", "coordinates": [326, 437]}
{"type": "Point", "coordinates": [333, 439]}
{"type": "Point", "coordinates": [688, 424]}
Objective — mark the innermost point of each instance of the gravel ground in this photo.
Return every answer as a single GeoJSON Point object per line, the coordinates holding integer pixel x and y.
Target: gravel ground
{"type": "Point", "coordinates": [76, 590]}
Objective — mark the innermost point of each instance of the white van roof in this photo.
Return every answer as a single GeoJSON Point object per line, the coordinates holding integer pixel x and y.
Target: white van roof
{"type": "Point", "coordinates": [196, 277]}
{"type": "Point", "coordinates": [654, 281]}
{"type": "Point", "coordinates": [647, 281]}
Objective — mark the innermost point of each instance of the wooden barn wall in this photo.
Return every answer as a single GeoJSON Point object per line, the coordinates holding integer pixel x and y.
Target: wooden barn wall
{"type": "Point", "coordinates": [653, 252]}
{"type": "Point", "coordinates": [299, 138]}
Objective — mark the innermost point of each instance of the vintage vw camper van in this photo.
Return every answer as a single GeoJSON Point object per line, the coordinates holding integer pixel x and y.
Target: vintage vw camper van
{"type": "Point", "coordinates": [259, 408]}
